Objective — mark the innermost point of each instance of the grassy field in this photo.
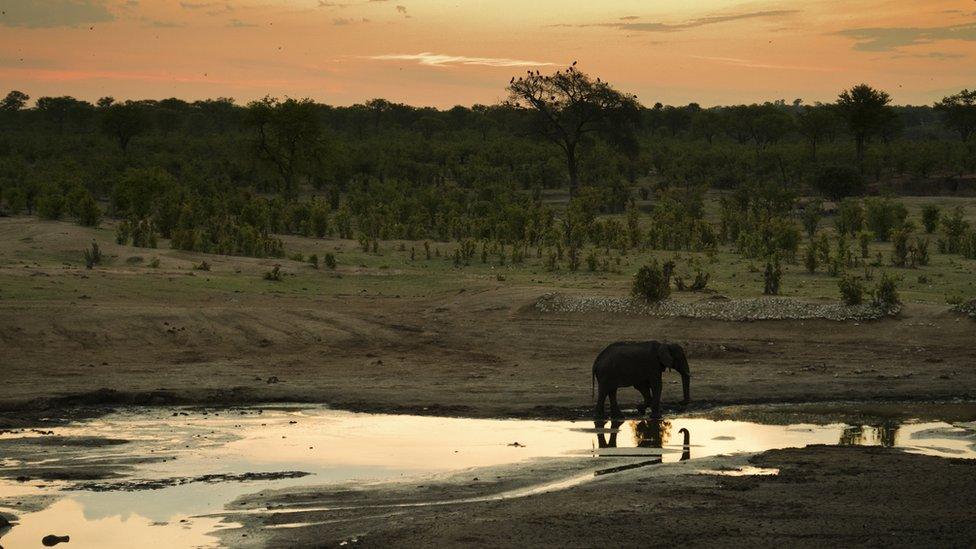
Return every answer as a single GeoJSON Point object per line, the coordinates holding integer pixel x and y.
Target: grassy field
{"type": "Point", "coordinates": [33, 249]}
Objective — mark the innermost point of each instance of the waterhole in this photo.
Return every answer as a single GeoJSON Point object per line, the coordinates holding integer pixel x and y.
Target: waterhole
{"type": "Point", "coordinates": [163, 477]}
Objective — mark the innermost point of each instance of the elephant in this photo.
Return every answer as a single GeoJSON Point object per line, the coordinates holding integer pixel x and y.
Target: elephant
{"type": "Point", "coordinates": [639, 365]}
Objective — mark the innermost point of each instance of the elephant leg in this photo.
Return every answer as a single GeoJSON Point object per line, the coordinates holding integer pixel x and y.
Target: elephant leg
{"type": "Point", "coordinates": [656, 396]}
{"type": "Point", "coordinates": [614, 408]}
{"type": "Point", "coordinates": [600, 403]}
{"type": "Point", "coordinates": [645, 391]}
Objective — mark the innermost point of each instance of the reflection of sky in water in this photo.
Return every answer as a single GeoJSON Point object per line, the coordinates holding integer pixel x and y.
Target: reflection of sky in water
{"type": "Point", "coordinates": [341, 446]}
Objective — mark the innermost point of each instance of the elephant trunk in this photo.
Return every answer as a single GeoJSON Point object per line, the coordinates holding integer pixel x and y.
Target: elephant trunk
{"type": "Point", "coordinates": [686, 388]}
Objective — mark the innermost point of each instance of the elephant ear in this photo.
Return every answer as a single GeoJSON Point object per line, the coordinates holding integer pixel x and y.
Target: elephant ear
{"type": "Point", "coordinates": [664, 355]}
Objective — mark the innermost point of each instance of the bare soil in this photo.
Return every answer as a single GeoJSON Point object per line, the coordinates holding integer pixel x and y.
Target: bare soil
{"type": "Point", "coordinates": [839, 496]}
{"type": "Point", "coordinates": [484, 353]}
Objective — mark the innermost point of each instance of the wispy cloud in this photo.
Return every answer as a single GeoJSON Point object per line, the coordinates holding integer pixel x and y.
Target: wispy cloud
{"type": "Point", "coordinates": [892, 38]}
{"type": "Point", "coordinates": [750, 64]}
{"type": "Point", "coordinates": [238, 24]}
{"type": "Point", "coordinates": [440, 60]}
{"type": "Point", "coordinates": [631, 24]}
{"type": "Point", "coordinates": [343, 21]}
{"type": "Point", "coordinates": [53, 13]}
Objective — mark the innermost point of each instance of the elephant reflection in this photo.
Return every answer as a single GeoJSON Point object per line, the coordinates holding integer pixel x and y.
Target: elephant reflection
{"type": "Point", "coordinates": [653, 433]}
{"type": "Point", "coordinates": [858, 435]}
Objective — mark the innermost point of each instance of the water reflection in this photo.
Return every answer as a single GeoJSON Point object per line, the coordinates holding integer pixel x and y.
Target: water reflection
{"type": "Point", "coordinates": [647, 433]}
{"type": "Point", "coordinates": [339, 447]}
{"type": "Point", "coordinates": [884, 434]}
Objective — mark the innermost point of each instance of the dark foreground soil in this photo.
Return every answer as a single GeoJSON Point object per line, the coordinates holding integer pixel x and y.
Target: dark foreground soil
{"type": "Point", "coordinates": [823, 496]}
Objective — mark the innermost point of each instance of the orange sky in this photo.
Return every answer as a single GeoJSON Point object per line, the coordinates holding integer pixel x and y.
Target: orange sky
{"type": "Point", "coordinates": [442, 53]}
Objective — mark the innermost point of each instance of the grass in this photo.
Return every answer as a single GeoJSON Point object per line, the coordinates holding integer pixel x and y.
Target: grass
{"type": "Point", "coordinates": [29, 246]}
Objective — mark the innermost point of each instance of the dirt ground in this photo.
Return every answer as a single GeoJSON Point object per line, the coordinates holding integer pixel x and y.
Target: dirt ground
{"type": "Point", "coordinates": [485, 353]}
{"type": "Point", "coordinates": [823, 495]}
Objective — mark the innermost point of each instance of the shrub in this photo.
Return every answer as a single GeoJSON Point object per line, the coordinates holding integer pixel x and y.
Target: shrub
{"type": "Point", "coordinates": [51, 204]}
{"type": "Point", "coordinates": [919, 252]}
{"type": "Point", "coordinates": [592, 263]}
{"type": "Point", "coordinates": [313, 260]}
{"type": "Point", "coordinates": [836, 182]}
{"type": "Point", "coordinates": [574, 258]}
{"type": "Point", "coordinates": [851, 289]}
{"type": "Point", "coordinates": [771, 277]}
{"type": "Point", "coordinates": [954, 227]}
{"type": "Point", "coordinates": [652, 282]}
{"type": "Point", "coordinates": [329, 260]}
{"type": "Point", "coordinates": [811, 216]}
{"type": "Point", "coordinates": [930, 217]}
{"type": "Point", "coordinates": [93, 255]}
{"type": "Point", "coordinates": [274, 274]}
{"type": "Point", "coordinates": [123, 231]}
{"type": "Point", "coordinates": [698, 284]}
{"type": "Point", "coordinates": [298, 256]}
{"type": "Point", "coordinates": [144, 234]}
{"type": "Point", "coordinates": [899, 257]}
{"type": "Point", "coordinates": [883, 216]}
{"type": "Point", "coordinates": [810, 258]}
{"type": "Point", "coordinates": [885, 293]}
{"type": "Point", "coordinates": [850, 217]}
{"type": "Point", "coordinates": [154, 263]}
{"type": "Point", "coordinates": [864, 239]}
{"type": "Point", "coordinates": [203, 266]}
{"type": "Point", "coordinates": [87, 212]}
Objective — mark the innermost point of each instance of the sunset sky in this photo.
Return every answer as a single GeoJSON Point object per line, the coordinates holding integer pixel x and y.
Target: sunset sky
{"type": "Point", "coordinates": [442, 53]}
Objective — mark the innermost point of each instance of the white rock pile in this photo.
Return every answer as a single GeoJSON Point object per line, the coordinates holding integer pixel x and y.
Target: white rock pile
{"type": "Point", "coordinates": [763, 308]}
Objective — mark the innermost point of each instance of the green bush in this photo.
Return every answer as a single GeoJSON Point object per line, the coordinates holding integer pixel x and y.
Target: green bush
{"type": "Point", "coordinates": [930, 217]}
{"type": "Point", "coordinates": [274, 274]}
{"type": "Point", "coordinates": [652, 282]}
{"type": "Point", "coordinates": [202, 266]}
{"type": "Point", "coordinates": [883, 216]}
{"type": "Point", "coordinates": [851, 289]}
{"type": "Point", "coordinates": [313, 260]}
{"type": "Point", "coordinates": [51, 204]}
{"type": "Point", "coordinates": [885, 293]}
{"type": "Point", "coordinates": [810, 258]}
{"type": "Point", "coordinates": [87, 211]}
{"type": "Point", "coordinates": [329, 260]}
{"type": "Point", "coordinates": [850, 216]}
{"type": "Point", "coordinates": [93, 255]}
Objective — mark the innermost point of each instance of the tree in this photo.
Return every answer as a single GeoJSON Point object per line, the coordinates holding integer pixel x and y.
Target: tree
{"type": "Point", "coordinates": [14, 101]}
{"type": "Point", "coordinates": [837, 182]}
{"type": "Point", "coordinates": [958, 112]}
{"type": "Point", "coordinates": [57, 110]}
{"type": "Point", "coordinates": [866, 112]}
{"type": "Point", "coordinates": [123, 121]}
{"type": "Point", "coordinates": [817, 124]}
{"type": "Point", "coordinates": [569, 106]}
{"type": "Point", "coordinates": [287, 136]}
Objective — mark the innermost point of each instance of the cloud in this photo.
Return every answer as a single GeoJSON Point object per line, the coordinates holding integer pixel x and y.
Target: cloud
{"type": "Point", "coordinates": [690, 24]}
{"type": "Point", "coordinates": [747, 63]}
{"type": "Point", "coordinates": [160, 24]}
{"type": "Point", "coordinates": [54, 13]}
{"type": "Point", "coordinates": [238, 24]}
{"type": "Point", "coordinates": [892, 38]}
{"type": "Point", "coordinates": [440, 60]}
{"type": "Point", "coordinates": [342, 21]}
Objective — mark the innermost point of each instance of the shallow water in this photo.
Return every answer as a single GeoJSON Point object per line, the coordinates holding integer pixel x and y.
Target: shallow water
{"type": "Point", "coordinates": [339, 447]}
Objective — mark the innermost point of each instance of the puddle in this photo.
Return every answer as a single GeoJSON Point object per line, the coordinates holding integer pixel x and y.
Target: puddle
{"type": "Point", "coordinates": [180, 468]}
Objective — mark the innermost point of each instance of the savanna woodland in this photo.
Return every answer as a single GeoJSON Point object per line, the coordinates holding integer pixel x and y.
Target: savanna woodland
{"type": "Point", "coordinates": [228, 297]}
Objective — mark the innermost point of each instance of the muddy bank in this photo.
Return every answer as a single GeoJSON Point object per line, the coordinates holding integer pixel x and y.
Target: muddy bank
{"type": "Point", "coordinates": [842, 496]}
{"type": "Point", "coordinates": [484, 354]}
